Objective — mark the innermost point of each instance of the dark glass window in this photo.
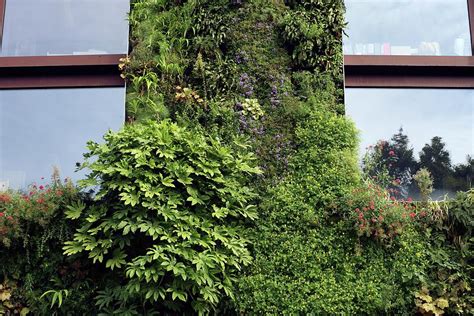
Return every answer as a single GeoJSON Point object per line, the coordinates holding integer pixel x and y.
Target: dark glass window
{"type": "Point", "coordinates": [435, 125]}
{"type": "Point", "coordinates": [407, 27]}
{"type": "Point", "coordinates": [42, 128]}
{"type": "Point", "coordinates": [65, 27]}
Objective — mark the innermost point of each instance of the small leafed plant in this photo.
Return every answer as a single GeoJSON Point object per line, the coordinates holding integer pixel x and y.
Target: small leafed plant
{"type": "Point", "coordinates": [168, 216]}
{"type": "Point", "coordinates": [251, 107]}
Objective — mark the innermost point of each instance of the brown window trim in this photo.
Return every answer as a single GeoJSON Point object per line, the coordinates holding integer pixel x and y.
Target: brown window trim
{"type": "Point", "coordinates": [409, 71]}
{"type": "Point", "coordinates": [60, 71]}
{"type": "Point", "coordinates": [371, 71]}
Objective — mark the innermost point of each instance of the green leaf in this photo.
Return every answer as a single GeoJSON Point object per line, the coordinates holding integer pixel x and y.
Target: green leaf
{"type": "Point", "coordinates": [75, 210]}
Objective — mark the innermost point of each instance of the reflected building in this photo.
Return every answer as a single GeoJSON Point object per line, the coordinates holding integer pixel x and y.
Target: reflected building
{"type": "Point", "coordinates": [60, 86]}
{"type": "Point", "coordinates": [409, 65]}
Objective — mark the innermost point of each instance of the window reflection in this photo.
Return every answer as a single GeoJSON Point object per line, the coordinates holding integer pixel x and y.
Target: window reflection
{"type": "Point", "coordinates": [407, 27]}
{"type": "Point", "coordinates": [40, 129]}
{"type": "Point", "coordinates": [65, 27]}
{"type": "Point", "coordinates": [418, 128]}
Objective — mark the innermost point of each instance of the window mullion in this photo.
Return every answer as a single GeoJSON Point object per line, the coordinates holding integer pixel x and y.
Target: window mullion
{"type": "Point", "coordinates": [2, 20]}
{"type": "Point", "coordinates": [470, 8]}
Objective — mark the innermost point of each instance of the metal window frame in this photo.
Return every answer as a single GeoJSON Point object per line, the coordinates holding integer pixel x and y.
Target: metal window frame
{"type": "Point", "coordinates": [67, 71]}
{"type": "Point", "coordinates": [392, 71]}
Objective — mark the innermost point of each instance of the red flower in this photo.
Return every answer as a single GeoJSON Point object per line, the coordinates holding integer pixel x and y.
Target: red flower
{"type": "Point", "coordinates": [412, 215]}
{"type": "Point", "coordinates": [5, 198]}
{"type": "Point", "coordinates": [41, 187]}
{"type": "Point", "coordinates": [40, 200]}
{"type": "Point", "coordinates": [2, 214]}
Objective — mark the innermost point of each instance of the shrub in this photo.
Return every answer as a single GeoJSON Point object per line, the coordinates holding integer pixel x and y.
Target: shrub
{"type": "Point", "coordinates": [168, 217]}
{"type": "Point", "coordinates": [447, 287]}
{"type": "Point", "coordinates": [376, 214]}
{"type": "Point", "coordinates": [37, 206]}
{"type": "Point", "coordinates": [32, 231]}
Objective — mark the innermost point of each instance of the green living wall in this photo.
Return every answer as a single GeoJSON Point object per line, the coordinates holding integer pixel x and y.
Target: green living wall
{"type": "Point", "coordinates": [235, 186]}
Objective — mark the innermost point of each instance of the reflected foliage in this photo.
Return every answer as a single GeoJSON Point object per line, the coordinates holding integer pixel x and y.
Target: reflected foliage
{"type": "Point", "coordinates": [393, 165]}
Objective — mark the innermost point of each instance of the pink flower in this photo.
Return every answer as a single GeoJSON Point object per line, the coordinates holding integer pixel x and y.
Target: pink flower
{"type": "Point", "coordinates": [2, 214]}
{"type": "Point", "coordinates": [409, 200]}
{"type": "Point", "coordinates": [391, 153]}
{"type": "Point", "coordinates": [41, 187]}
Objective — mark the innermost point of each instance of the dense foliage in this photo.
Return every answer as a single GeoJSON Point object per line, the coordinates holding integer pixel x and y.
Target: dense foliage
{"type": "Point", "coordinates": [184, 222]}
{"type": "Point", "coordinates": [32, 231]}
{"type": "Point", "coordinates": [167, 217]}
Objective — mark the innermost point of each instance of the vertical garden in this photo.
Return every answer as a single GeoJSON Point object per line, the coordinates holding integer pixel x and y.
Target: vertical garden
{"type": "Point", "coordinates": [234, 187]}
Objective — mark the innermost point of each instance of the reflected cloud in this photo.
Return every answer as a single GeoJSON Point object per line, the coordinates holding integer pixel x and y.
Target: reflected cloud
{"type": "Point", "coordinates": [43, 128]}
{"type": "Point", "coordinates": [59, 27]}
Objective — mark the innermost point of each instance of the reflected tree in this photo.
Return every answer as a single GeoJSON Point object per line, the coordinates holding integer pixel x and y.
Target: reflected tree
{"type": "Point", "coordinates": [436, 159]}
{"type": "Point", "coordinates": [392, 164]}
{"type": "Point", "coordinates": [405, 164]}
{"type": "Point", "coordinates": [463, 176]}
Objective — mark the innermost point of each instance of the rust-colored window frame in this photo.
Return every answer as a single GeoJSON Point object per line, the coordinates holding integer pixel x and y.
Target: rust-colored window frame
{"type": "Point", "coordinates": [23, 72]}
{"type": "Point", "coordinates": [373, 71]}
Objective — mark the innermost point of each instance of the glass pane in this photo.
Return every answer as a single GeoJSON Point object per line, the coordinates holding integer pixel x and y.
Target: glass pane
{"type": "Point", "coordinates": [40, 129]}
{"type": "Point", "coordinates": [407, 27]}
{"type": "Point", "coordinates": [65, 27]}
{"type": "Point", "coordinates": [439, 129]}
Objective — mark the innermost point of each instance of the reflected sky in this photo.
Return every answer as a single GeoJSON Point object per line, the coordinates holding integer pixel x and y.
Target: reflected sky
{"type": "Point", "coordinates": [65, 27]}
{"type": "Point", "coordinates": [423, 114]}
{"type": "Point", "coordinates": [407, 27]}
{"type": "Point", "coordinates": [43, 128]}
